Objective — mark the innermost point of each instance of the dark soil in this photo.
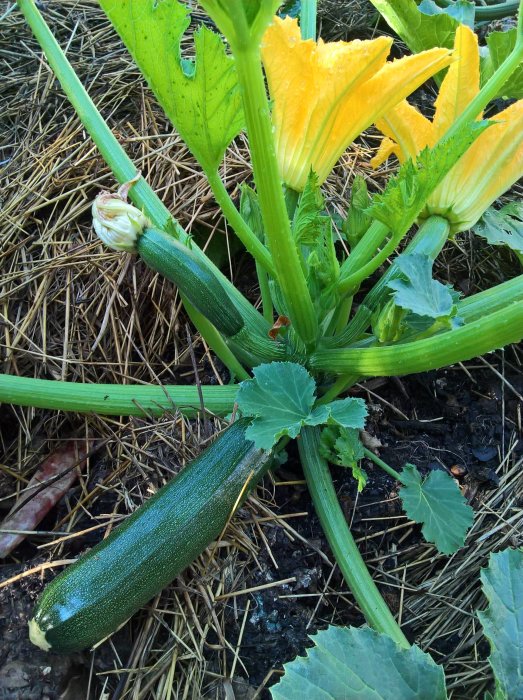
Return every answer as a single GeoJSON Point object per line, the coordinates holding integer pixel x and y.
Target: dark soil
{"type": "Point", "coordinates": [453, 422]}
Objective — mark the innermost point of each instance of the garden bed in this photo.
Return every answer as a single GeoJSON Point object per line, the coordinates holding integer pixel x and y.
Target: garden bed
{"type": "Point", "coordinates": [73, 311]}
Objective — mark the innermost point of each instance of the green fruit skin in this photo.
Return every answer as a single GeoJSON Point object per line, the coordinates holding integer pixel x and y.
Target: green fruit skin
{"type": "Point", "coordinates": [99, 592]}
{"type": "Point", "coordinates": [179, 265]}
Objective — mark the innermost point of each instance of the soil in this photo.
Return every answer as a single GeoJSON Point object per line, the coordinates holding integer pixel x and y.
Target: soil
{"type": "Point", "coordinates": [449, 420]}
{"type": "Point", "coordinates": [464, 419]}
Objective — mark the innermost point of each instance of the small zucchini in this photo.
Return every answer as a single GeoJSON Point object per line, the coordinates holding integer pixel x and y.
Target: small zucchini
{"type": "Point", "coordinates": [94, 596]}
{"type": "Point", "coordinates": [179, 264]}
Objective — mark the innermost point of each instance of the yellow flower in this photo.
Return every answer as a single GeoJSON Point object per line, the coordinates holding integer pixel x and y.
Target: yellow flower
{"type": "Point", "coordinates": [326, 94]}
{"type": "Point", "coordinates": [489, 167]}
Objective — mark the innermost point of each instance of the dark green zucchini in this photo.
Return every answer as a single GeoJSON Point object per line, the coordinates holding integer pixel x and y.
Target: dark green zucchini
{"type": "Point", "coordinates": [91, 598]}
{"type": "Point", "coordinates": [202, 288]}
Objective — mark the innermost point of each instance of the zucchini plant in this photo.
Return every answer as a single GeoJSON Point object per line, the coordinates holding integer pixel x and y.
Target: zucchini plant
{"type": "Point", "coordinates": [301, 103]}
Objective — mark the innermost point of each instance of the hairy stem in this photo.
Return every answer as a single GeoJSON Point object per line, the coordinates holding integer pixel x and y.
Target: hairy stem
{"type": "Point", "coordinates": [483, 335]}
{"type": "Point", "coordinates": [308, 19]}
{"type": "Point", "coordinates": [115, 399]}
{"type": "Point", "coordinates": [278, 233]}
{"type": "Point", "coordinates": [341, 541]}
{"type": "Point", "coordinates": [122, 166]}
{"type": "Point", "coordinates": [253, 245]}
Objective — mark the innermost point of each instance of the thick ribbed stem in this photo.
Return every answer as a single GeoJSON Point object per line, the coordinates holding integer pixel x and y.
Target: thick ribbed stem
{"type": "Point", "coordinates": [493, 299]}
{"type": "Point", "coordinates": [115, 399]}
{"type": "Point", "coordinates": [341, 541]}
{"type": "Point", "coordinates": [278, 233]}
{"type": "Point", "coordinates": [429, 240]}
{"type": "Point", "coordinates": [308, 19]}
{"type": "Point", "coordinates": [486, 334]}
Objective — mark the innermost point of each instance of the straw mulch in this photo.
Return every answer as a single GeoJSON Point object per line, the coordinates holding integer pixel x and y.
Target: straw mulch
{"type": "Point", "coordinates": [72, 310]}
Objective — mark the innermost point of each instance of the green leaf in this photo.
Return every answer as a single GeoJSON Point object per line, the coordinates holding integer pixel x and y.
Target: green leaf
{"type": "Point", "coordinates": [291, 8]}
{"type": "Point", "coordinates": [281, 399]}
{"type": "Point", "coordinates": [346, 663]}
{"type": "Point", "coordinates": [462, 10]}
{"type": "Point", "coordinates": [438, 504]}
{"type": "Point", "coordinates": [418, 30]}
{"type": "Point", "coordinates": [499, 45]}
{"type": "Point", "coordinates": [503, 620]}
{"type": "Point", "coordinates": [313, 230]}
{"type": "Point", "coordinates": [200, 97]}
{"type": "Point", "coordinates": [357, 221]}
{"type": "Point", "coordinates": [342, 446]}
{"type": "Point", "coordinates": [308, 223]}
{"type": "Point", "coordinates": [250, 210]}
{"type": "Point", "coordinates": [406, 194]}
{"type": "Point", "coordinates": [503, 226]}
{"type": "Point", "coordinates": [418, 292]}
{"type": "Point", "coordinates": [349, 413]}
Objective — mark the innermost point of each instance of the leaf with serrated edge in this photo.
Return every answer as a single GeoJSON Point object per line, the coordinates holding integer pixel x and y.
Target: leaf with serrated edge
{"type": "Point", "coordinates": [503, 620]}
{"type": "Point", "coordinates": [308, 223]}
{"type": "Point", "coordinates": [406, 194]}
{"type": "Point", "coordinates": [438, 504]}
{"type": "Point", "coordinates": [201, 98]}
{"type": "Point", "coordinates": [419, 31]}
{"type": "Point", "coordinates": [418, 292]}
{"type": "Point", "coordinates": [348, 663]}
{"type": "Point", "coordinates": [503, 226]}
{"type": "Point", "coordinates": [281, 396]}
{"type": "Point", "coordinates": [342, 446]}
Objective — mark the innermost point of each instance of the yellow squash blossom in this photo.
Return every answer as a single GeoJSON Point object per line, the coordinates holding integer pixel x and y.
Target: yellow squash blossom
{"type": "Point", "coordinates": [325, 94]}
{"type": "Point", "coordinates": [489, 167]}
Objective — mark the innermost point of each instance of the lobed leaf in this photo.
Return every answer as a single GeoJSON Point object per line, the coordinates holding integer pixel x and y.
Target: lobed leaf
{"type": "Point", "coordinates": [503, 226]}
{"type": "Point", "coordinates": [342, 446]}
{"type": "Point", "coordinates": [308, 222]}
{"type": "Point", "coordinates": [438, 504]}
{"type": "Point", "coordinates": [503, 620]}
{"type": "Point", "coordinates": [417, 291]}
{"type": "Point", "coordinates": [357, 221]}
{"type": "Point", "coordinates": [420, 31]}
{"type": "Point", "coordinates": [281, 398]}
{"type": "Point", "coordinates": [200, 97]}
{"type": "Point", "coordinates": [461, 10]}
{"type": "Point", "coordinates": [346, 662]}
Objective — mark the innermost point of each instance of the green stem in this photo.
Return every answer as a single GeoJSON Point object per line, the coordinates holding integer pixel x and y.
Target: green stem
{"type": "Point", "coordinates": [265, 291]}
{"type": "Point", "coordinates": [364, 250]}
{"type": "Point", "coordinates": [254, 246]}
{"type": "Point", "coordinates": [350, 285]}
{"type": "Point", "coordinates": [278, 233]}
{"type": "Point", "coordinates": [496, 10]}
{"type": "Point", "coordinates": [493, 299]}
{"type": "Point", "coordinates": [383, 465]}
{"type": "Point", "coordinates": [115, 399]}
{"type": "Point", "coordinates": [493, 86]}
{"type": "Point", "coordinates": [216, 342]}
{"type": "Point", "coordinates": [341, 541]}
{"type": "Point", "coordinates": [341, 384]}
{"type": "Point", "coordinates": [486, 334]}
{"type": "Point", "coordinates": [308, 19]}
{"type": "Point", "coordinates": [429, 240]}
{"type": "Point", "coordinates": [114, 155]}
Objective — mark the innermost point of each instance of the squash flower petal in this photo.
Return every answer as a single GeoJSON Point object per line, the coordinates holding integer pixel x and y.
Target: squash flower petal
{"type": "Point", "coordinates": [409, 131]}
{"type": "Point", "coordinates": [325, 94]}
{"type": "Point", "coordinates": [461, 83]}
{"type": "Point", "coordinates": [489, 168]}
{"type": "Point", "coordinates": [492, 163]}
